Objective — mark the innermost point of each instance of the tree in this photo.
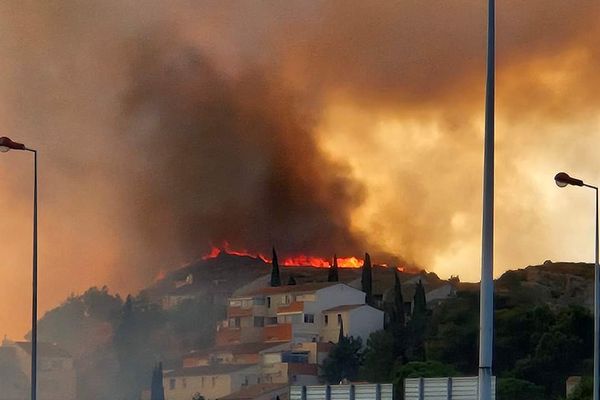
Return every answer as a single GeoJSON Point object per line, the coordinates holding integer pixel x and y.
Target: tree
{"type": "Point", "coordinates": [518, 389]}
{"type": "Point", "coordinates": [275, 278]}
{"type": "Point", "coordinates": [380, 356]}
{"type": "Point", "coordinates": [291, 281]}
{"type": "Point", "coordinates": [333, 276]}
{"type": "Point", "coordinates": [343, 361]}
{"type": "Point", "coordinates": [419, 301]}
{"type": "Point", "coordinates": [398, 314]}
{"type": "Point", "coordinates": [157, 391]}
{"type": "Point", "coordinates": [583, 391]}
{"type": "Point", "coordinates": [197, 396]}
{"type": "Point", "coordinates": [367, 279]}
{"type": "Point", "coordinates": [341, 335]}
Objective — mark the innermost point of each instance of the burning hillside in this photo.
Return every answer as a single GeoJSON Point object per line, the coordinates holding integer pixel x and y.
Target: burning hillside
{"type": "Point", "coordinates": [301, 260]}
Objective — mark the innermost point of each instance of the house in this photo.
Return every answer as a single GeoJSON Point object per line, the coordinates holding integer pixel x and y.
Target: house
{"type": "Point", "coordinates": [358, 321]}
{"type": "Point", "coordinates": [243, 353]}
{"type": "Point", "coordinates": [284, 313]}
{"type": "Point", "coordinates": [56, 374]}
{"type": "Point", "coordinates": [212, 382]}
{"type": "Point", "coordinates": [263, 391]}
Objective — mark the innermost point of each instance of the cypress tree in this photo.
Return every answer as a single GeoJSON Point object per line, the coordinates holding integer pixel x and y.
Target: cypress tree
{"type": "Point", "coordinates": [333, 271]}
{"type": "Point", "coordinates": [157, 391]}
{"type": "Point", "coordinates": [367, 279]}
{"type": "Point", "coordinates": [399, 313]}
{"type": "Point", "coordinates": [419, 301]}
{"type": "Point", "coordinates": [341, 336]}
{"type": "Point", "coordinates": [275, 278]}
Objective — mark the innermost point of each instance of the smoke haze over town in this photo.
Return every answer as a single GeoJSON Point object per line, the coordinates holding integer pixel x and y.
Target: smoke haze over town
{"type": "Point", "coordinates": [317, 127]}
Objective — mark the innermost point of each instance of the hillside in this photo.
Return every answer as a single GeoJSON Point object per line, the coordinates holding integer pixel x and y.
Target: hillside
{"type": "Point", "coordinates": [557, 284]}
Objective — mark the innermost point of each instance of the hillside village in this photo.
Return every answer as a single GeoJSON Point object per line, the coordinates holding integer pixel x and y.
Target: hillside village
{"type": "Point", "coordinates": [279, 334]}
{"type": "Point", "coordinates": [236, 327]}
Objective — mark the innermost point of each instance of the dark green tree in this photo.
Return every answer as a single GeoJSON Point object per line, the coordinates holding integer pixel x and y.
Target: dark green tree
{"type": "Point", "coordinates": [367, 279]}
{"type": "Point", "coordinates": [583, 391]}
{"type": "Point", "coordinates": [341, 334]}
{"type": "Point", "coordinates": [344, 361]}
{"type": "Point", "coordinates": [198, 396]}
{"type": "Point", "coordinates": [398, 314]}
{"type": "Point", "coordinates": [157, 391]}
{"type": "Point", "coordinates": [275, 278]}
{"type": "Point", "coordinates": [291, 281]}
{"type": "Point", "coordinates": [333, 276]}
{"type": "Point", "coordinates": [419, 301]}
{"type": "Point", "coordinates": [518, 389]}
{"type": "Point", "coordinates": [380, 355]}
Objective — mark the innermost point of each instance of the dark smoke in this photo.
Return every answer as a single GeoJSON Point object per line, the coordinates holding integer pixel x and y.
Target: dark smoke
{"type": "Point", "coordinates": [231, 159]}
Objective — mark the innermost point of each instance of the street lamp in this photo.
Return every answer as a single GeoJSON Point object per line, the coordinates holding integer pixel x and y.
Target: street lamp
{"type": "Point", "coordinates": [7, 144]}
{"type": "Point", "coordinates": [562, 179]}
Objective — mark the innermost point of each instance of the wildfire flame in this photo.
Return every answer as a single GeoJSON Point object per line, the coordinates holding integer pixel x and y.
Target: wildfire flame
{"type": "Point", "coordinates": [300, 260]}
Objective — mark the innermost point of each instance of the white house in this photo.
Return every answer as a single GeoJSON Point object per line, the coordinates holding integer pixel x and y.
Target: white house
{"type": "Point", "coordinates": [212, 382]}
{"type": "Point", "coordinates": [360, 320]}
{"type": "Point", "coordinates": [284, 313]}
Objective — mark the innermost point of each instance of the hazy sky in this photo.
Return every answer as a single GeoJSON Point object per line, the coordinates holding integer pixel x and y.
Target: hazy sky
{"type": "Point", "coordinates": [320, 126]}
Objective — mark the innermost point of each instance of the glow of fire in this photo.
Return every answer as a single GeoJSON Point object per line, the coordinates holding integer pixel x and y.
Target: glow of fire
{"type": "Point", "coordinates": [300, 260]}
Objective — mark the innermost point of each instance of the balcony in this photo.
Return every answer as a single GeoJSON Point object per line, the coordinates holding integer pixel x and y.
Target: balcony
{"type": "Point", "coordinates": [233, 312]}
{"type": "Point", "coordinates": [227, 336]}
{"type": "Point", "coordinates": [293, 307]}
{"type": "Point", "coordinates": [277, 333]}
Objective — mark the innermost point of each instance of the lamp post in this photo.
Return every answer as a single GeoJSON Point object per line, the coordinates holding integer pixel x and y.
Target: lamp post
{"type": "Point", "coordinates": [7, 144]}
{"type": "Point", "coordinates": [486, 300]}
{"type": "Point", "coordinates": [562, 179]}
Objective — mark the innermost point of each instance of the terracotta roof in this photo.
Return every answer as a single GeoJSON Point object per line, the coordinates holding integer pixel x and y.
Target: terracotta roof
{"type": "Point", "coordinates": [345, 307]}
{"type": "Point", "coordinates": [240, 348]}
{"type": "Point", "coordinates": [254, 391]}
{"type": "Point", "coordinates": [208, 370]}
{"type": "Point", "coordinates": [45, 349]}
{"type": "Point", "coordinates": [306, 287]}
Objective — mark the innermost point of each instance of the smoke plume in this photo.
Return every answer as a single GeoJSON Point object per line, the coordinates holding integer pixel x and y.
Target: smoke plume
{"type": "Point", "coordinates": [318, 127]}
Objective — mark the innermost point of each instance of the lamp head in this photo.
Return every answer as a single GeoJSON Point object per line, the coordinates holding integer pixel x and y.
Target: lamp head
{"type": "Point", "coordinates": [563, 179]}
{"type": "Point", "coordinates": [7, 144]}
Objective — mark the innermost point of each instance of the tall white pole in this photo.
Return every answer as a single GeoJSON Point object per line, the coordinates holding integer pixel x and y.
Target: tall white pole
{"type": "Point", "coordinates": [596, 391]}
{"type": "Point", "coordinates": [486, 305]}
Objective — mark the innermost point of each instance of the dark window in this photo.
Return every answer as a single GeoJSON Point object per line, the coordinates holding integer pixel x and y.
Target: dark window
{"type": "Point", "coordinates": [237, 322]}
{"type": "Point", "coordinates": [309, 318]}
{"type": "Point", "coordinates": [271, 321]}
{"type": "Point", "coordinates": [326, 319]}
{"type": "Point", "coordinates": [339, 319]}
{"type": "Point", "coordinates": [268, 302]}
{"type": "Point", "coordinates": [259, 322]}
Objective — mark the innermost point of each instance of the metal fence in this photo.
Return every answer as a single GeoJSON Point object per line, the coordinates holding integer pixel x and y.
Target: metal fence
{"type": "Point", "coordinates": [463, 388]}
{"type": "Point", "coordinates": [343, 392]}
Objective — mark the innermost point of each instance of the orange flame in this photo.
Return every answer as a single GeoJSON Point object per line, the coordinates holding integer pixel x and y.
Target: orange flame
{"type": "Point", "coordinates": [300, 260]}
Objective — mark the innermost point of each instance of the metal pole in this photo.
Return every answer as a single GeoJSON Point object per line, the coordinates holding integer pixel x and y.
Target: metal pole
{"type": "Point", "coordinates": [486, 305]}
{"type": "Point", "coordinates": [596, 313]}
{"type": "Point", "coordinates": [35, 282]}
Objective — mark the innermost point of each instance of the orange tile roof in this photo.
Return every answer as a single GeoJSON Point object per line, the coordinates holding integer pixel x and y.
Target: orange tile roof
{"type": "Point", "coordinates": [306, 287]}
{"type": "Point", "coordinates": [293, 307]}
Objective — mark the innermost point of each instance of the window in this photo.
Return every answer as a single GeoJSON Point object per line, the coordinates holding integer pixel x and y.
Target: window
{"type": "Point", "coordinates": [309, 318]}
{"type": "Point", "coordinates": [268, 302]}
{"type": "Point", "coordinates": [286, 299]}
{"type": "Point", "coordinates": [259, 322]}
{"type": "Point", "coordinates": [339, 319]}
{"type": "Point", "coordinates": [271, 321]}
{"type": "Point", "coordinates": [237, 322]}
{"type": "Point", "coordinates": [245, 381]}
{"type": "Point", "coordinates": [327, 320]}
{"type": "Point", "coordinates": [171, 384]}
{"type": "Point", "coordinates": [259, 301]}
